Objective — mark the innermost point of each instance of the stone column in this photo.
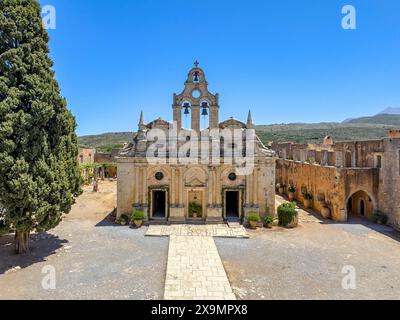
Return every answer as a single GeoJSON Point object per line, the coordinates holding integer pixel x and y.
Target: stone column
{"type": "Point", "coordinates": [173, 187]}
{"type": "Point", "coordinates": [196, 118]}
{"type": "Point", "coordinates": [177, 213]}
{"type": "Point", "coordinates": [136, 189]}
{"type": "Point", "coordinates": [178, 116]}
{"type": "Point", "coordinates": [255, 187]}
{"type": "Point", "coordinates": [145, 201]}
{"type": "Point", "coordinates": [214, 117]}
{"type": "Point", "coordinates": [214, 210]}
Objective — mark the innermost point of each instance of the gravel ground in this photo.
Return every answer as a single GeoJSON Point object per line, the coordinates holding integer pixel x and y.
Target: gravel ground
{"type": "Point", "coordinates": [307, 262]}
{"type": "Point", "coordinates": [93, 258]}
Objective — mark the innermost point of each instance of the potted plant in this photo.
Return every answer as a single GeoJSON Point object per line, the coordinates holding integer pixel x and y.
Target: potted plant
{"type": "Point", "coordinates": [281, 189]}
{"type": "Point", "coordinates": [269, 221]}
{"type": "Point", "coordinates": [307, 200]}
{"type": "Point", "coordinates": [291, 193]}
{"type": "Point", "coordinates": [253, 218]}
{"type": "Point", "coordinates": [195, 210]}
{"type": "Point", "coordinates": [325, 210]}
{"type": "Point", "coordinates": [123, 220]}
{"type": "Point", "coordinates": [288, 215]}
{"type": "Point", "coordinates": [379, 218]}
{"type": "Point", "coordinates": [137, 218]}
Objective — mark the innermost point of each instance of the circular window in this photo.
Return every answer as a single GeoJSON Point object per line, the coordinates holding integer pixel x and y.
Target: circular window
{"type": "Point", "coordinates": [232, 176]}
{"type": "Point", "coordinates": [159, 176]}
{"type": "Point", "coordinates": [196, 94]}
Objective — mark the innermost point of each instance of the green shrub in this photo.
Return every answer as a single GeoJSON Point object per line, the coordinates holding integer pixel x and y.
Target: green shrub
{"type": "Point", "coordinates": [195, 210]}
{"type": "Point", "coordinates": [253, 216]}
{"type": "Point", "coordinates": [123, 220]}
{"type": "Point", "coordinates": [307, 196]}
{"type": "Point", "coordinates": [137, 215]}
{"type": "Point", "coordinates": [268, 220]}
{"type": "Point", "coordinates": [286, 213]}
{"type": "Point", "coordinates": [292, 189]}
{"type": "Point", "coordinates": [379, 217]}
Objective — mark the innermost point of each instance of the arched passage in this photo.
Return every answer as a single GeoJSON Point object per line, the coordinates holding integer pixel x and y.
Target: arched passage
{"type": "Point", "coordinates": [360, 204]}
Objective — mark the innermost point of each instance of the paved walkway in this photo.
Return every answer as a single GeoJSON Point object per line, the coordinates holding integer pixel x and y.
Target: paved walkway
{"type": "Point", "coordinates": [195, 270]}
{"type": "Point", "coordinates": [219, 230]}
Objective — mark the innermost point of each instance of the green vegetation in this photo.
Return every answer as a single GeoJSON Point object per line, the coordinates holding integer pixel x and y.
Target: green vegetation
{"type": "Point", "coordinates": [315, 133]}
{"type": "Point", "coordinates": [286, 213]}
{"type": "Point", "coordinates": [295, 132]}
{"type": "Point", "coordinates": [253, 216]}
{"type": "Point", "coordinates": [195, 210]}
{"type": "Point", "coordinates": [388, 119]}
{"type": "Point", "coordinates": [138, 215]}
{"type": "Point", "coordinates": [379, 217]}
{"type": "Point", "coordinates": [39, 172]}
{"type": "Point", "coordinates": [105, 143]}
{"type": "Point", "coordinates": [269, 220]}
{"type": "Point", "coordinates": [123, 220]}
{"type": "Point", "coordinates": [307, 196]}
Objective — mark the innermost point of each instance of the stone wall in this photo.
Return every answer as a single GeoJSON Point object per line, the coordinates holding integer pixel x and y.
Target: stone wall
{"type": "Point", "coordinates": [323, 182]}
{"type": "Point", "coordinates": [389, 201]}
{"type": "Point", "coordinates": [329, 184]}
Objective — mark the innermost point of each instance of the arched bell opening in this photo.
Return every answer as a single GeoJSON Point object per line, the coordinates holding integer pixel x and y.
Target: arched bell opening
{"type": "Point", "coordinates": [205, 115]}
{"type": "Point", "coordinates": [186, 114]}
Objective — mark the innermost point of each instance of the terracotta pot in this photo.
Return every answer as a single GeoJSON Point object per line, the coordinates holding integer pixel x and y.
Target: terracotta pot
{"type": "Point", "coordinates": [325, 212]}
{"type": "Point", "coordinates": [307, 203]}
{"type": "Point", "coordinates": [281, 190]}
{"type": "Point", "coordinates": [268, 226]}
{"type": "Point", "coordinates": [291, 196]}
{"type": "Point", "coordinates": [294, 223]}
{"type": "Point", "coordinates": [138, 223]}
{"type": "Point", "coordinates": [253, 224]}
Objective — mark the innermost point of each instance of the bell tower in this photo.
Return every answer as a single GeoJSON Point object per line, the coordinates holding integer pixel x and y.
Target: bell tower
{"type": "Point", "coordinates": [197, 101]}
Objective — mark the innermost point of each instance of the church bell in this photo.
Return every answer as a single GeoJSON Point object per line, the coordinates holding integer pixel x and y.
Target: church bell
{"type": "Point", "coordinates": [186, 106]}
{"type": "Point", "coordinates": [204, 105]}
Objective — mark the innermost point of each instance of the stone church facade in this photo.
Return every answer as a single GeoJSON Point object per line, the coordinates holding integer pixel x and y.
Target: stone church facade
{"type": "Point", "coordinates": [173, 183]}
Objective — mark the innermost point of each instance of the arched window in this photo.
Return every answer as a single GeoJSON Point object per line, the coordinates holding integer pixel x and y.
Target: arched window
{"type": "Point", "coordinates": [196, 77]}
{"type": "Point", "coordinates": [205, 115]}
{"type": "Point", "coordinates": [186, 111]}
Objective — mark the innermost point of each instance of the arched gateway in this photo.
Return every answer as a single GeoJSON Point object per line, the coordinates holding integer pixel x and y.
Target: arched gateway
{"type": "Point", "coordinates": [360, 204]}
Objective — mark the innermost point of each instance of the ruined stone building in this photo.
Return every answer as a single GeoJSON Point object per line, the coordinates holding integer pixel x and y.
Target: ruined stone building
{"type": "Point", "coordinates": [353, 178]}
{"type": "Point", "coordinates": [167, 188]}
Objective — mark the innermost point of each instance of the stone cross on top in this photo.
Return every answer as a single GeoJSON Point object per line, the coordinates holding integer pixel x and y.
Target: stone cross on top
{"type": "Point", "coordinates": [196, 63]}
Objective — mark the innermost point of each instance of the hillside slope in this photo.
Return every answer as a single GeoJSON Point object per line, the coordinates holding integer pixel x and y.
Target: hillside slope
{"type": "Point", "coordinates": [105, 142]}
{"type": "Point", "coordinates": [296, 132]}
{"type": "Point", "coordinates": [383, 118]}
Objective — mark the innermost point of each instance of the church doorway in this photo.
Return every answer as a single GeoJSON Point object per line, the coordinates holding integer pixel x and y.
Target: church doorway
{"type": "Point", "coordinates": [159, 204]}
{"type": "Point", "coordinates": [232, 205]}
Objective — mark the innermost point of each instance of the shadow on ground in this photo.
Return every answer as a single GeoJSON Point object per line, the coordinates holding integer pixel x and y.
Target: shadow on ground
{"type": "Point", "coordinates": [109, 220]}
{"type": "Point", "coordinates": [41, 246]}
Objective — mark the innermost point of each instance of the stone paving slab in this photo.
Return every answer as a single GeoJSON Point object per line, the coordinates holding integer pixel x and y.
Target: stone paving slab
{"type": "Point", "coordinates": [220, 230]}
{"type": "Point", "coordinates": [195, 270]}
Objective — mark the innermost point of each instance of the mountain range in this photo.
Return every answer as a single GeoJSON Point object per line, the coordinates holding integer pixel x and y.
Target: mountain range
{"type": "Point", "coordinates": [363, 128]}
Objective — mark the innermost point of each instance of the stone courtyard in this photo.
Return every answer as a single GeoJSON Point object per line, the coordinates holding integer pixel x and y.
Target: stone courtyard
{"type": "Point", "coordinates": [96, 259]}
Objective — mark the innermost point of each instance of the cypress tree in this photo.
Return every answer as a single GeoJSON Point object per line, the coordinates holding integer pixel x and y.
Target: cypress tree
{"type": "Point", "coordinates": [39, 171]}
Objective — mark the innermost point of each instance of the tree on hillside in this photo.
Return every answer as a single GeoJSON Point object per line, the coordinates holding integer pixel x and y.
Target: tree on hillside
{"type": "Point", "coordinates": [39, 172]}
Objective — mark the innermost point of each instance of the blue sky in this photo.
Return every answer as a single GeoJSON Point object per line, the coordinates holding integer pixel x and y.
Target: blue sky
{"type": "Point", "coordinates": [287, 60]}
